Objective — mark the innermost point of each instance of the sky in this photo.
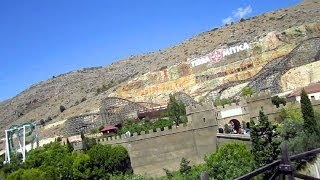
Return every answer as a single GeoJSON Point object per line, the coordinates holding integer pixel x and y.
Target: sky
{"type": "Point", "coordinates": [44, 38]}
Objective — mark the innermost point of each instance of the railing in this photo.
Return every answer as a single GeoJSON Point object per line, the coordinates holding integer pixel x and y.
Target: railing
{"type": "Point", "coordinates": [283, 167]}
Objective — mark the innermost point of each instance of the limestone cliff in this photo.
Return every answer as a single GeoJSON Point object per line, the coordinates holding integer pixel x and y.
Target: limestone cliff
{"type": "Point", "coordinates": [201, 76]}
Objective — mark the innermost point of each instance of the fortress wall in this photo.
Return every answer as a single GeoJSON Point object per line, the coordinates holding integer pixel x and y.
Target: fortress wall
{"type": "Point", "coordinates": [150, 152]}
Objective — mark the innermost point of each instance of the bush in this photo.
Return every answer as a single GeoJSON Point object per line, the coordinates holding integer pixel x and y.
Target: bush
{"type": "Point", "coordinates": [107, 159]}
{"type": "Point", "coordinates": [83, 99]}
{"type": "Point", "coordinates": [34, 174]}
{"type": "Point", "coordinates": [62, 108]}
{"type": "Point", "coordinates": [302, 142]}
{"type": "Point", "coordinates": [222, 102]}
{"type": "Point", "coordinates": [247, 90]}
{"type": "Point", "coordinates": [94, 131]}
{"type": "Point", "coordinates": [230, 161]}
{"type": "Point", "coordinates": [42, 123]}
{"type": "Point", "coordinates": [276, 100]}
{"type": "Point", "coordinates": [184, 166]}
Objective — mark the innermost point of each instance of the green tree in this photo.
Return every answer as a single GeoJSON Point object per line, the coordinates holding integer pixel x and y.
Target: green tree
{"type": "Point", "coordinates": [230, 161]}
{"type": "Point", "coordinates": [175, 110]}
{"type": "Point", "coordinates": [81, 166]}
{"type": "Point", "coordinates": [15, 164]}
{"type": "Point", "coordinates": [291, 122]}
{"type": "Point", "coordinates": [34, 174]}
{"type": "Point", "coordinates": [184, 166]}
{"type": "Point", "coordinates": [265, 141]}
{"type": "Point", "coordinates": [107, 159]}
{"type": "Point", "coordinates": [69, 146]}
{"type": "Point", "coordinates": [246, 91]}
{"type": "Point", "coordinates": [276, 100]}
{"type": "Point", "coordinates": [310, 124]}
{"type": "Point", "coordinates": [53, 158]}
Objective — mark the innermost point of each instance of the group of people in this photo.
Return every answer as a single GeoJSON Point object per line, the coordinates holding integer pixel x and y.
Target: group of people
{"type": "Point", "coordinates": [231, 128]}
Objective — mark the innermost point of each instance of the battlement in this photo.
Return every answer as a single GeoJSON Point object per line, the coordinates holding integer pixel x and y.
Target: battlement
{"type": "Point", "coordinates": [229, 106]}
{"type": "Point", "coordinates": [199, 108]}
{"type": "Point", "coordinates": [189, 126]}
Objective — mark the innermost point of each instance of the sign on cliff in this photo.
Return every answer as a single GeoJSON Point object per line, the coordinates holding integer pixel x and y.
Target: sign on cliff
{"type": "Point", "coordinates": [217, 55]}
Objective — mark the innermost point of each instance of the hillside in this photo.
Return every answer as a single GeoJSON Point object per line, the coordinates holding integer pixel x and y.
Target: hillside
{"type": "Point", "coordinates": [81, 91]}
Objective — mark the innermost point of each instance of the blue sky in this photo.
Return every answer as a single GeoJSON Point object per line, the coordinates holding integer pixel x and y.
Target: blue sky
{"type": "Point", "coordinates": [43, 38]}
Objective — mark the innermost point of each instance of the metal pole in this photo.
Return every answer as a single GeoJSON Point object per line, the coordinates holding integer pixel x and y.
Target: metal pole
{"type": "Point", "coordinates": [7, 155]}
{"type": "Point", "coordinates": [24, 144]}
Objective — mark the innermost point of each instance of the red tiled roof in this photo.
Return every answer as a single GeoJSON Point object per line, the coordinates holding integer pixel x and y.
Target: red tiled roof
{"type": "Point", "coordinates": [311, 88]}
{"type": "Point", "coordinates": [108, 128]}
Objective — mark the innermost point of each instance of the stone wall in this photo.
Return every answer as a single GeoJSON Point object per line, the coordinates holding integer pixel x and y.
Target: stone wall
{"type": "Point", "coordinates": [250, 107]}
{"type": "Point", "coordinates": [150, 152]}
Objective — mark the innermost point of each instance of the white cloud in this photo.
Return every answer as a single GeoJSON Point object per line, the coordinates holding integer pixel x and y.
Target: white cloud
{"type": "Point", "coordinates": [241, 12]}
{"type": "Point", "coordinates": [227, 20]}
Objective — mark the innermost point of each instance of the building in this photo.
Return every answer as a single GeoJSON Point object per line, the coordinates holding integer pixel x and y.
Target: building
{"type": "Point", "coordinates": [313, 91]}
{"type": "Point", "coordinates": [75, 141]}
{"type": "Point", "coordinates": [109, 130]}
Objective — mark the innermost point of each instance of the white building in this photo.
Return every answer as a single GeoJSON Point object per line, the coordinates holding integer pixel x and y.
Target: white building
{"type": "Point", "coordinates": [313, 91]}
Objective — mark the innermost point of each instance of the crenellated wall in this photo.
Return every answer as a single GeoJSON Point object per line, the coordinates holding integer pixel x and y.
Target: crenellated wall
{"type": "Point", "coordinates": [150, 151]}
{"type": "Point", "coordinates": [248, 108]}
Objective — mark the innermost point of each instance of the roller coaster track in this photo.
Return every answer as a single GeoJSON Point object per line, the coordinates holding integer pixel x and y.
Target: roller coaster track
{"type": "Point", "coordinates": [115, 110]}
{"type": "Point", "coordinates": [268, 77]}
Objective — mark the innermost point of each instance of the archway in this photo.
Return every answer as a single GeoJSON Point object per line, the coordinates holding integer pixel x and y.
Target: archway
{"type": "Point", "coordinates": [235, 125]}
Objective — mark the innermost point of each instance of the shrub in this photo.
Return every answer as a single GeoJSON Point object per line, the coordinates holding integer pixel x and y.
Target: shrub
{"type": "Point", "coordinates": [230, 161]}
{"type": "Point", "coordinates": [184, 166]}
{"type": "Point", "coordinates": [62, 108]}
{"type": "Point", "coordinates": [246, 91]}
{"type": "Point", "coordinates": [276, 100]}
{"type": "Point", "coordinates": [83, 99]}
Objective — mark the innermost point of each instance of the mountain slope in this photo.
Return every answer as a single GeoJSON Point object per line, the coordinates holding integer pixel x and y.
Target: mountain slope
{"type": "Point", "coordinates": [91, 85]}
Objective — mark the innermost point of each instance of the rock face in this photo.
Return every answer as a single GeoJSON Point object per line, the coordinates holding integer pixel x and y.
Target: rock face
{"type": "Point", "coordinates": [204, 75]}
{"type": "Point", "coordinates": [149, 78]}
